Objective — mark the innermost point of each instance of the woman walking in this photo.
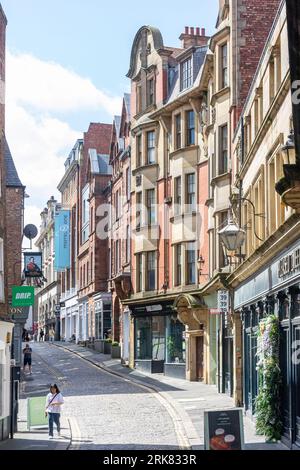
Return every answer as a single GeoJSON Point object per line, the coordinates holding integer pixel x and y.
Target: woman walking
{"type": "Point", "coordinates": [54, 401]}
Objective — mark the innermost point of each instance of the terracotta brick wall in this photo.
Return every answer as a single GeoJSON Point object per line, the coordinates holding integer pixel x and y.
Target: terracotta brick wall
{"type": "Point", "coordinates": [254, 21]}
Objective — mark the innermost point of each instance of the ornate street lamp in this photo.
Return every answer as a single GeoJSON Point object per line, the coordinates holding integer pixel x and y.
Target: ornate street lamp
{"type": "Point", "coordinates": [289, 148]}
{"type": "Point", "coordinates": [232, 236]}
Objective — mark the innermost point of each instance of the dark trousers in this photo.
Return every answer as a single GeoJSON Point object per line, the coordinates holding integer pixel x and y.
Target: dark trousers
{"type": "Point", "coordinates": [53, 417]}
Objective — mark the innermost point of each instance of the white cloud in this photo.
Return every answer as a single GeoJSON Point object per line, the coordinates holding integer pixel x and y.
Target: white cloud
{"type": "Point", "coordinates": [40, 140]}
{"type": "Point", "coordinates": [48, 86]}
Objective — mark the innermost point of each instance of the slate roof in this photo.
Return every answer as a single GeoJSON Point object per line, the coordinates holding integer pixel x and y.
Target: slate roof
{"type": "Point", "coordinates": [127, 102]}
{"type": "Point", "coordinates": [99, 163]}
{"type": "Point", "coordinates": [12, 177]}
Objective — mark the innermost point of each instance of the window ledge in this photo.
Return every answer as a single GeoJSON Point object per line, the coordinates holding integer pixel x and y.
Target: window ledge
{"type": "Point", "coordinates": [219, 94]}
{"type": "Point", "coordinates": [188, 148]}
{"type": "Point", "coordinates": [221, 177]}
{"type": "Point", "coordinates": [144, 167]}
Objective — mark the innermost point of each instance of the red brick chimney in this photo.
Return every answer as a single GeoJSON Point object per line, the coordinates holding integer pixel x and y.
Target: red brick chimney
{"type": "Point", "coordinates": [193, 37]}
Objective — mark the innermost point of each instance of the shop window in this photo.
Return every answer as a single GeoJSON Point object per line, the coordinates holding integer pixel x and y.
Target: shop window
{"type": "Point", "coordinates": [175, 341]}
{"type": "Point", "coordinates": [143, 344]}
{"type": "Point", "coordinates": [158, 338]}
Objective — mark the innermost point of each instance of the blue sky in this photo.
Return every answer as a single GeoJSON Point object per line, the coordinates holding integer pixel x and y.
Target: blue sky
{"type": "Point", "coordinates": [66, 66]}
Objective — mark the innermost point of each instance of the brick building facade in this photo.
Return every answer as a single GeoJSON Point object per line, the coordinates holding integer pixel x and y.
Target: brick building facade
{"type": "Point", "coordinates": [119, 231]}
{"type": "Point", "coordinates": [92, 259]}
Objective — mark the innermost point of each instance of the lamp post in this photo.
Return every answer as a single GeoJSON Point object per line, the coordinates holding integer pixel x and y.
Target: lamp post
{"type": "Point", "coordinates": [289, 148]}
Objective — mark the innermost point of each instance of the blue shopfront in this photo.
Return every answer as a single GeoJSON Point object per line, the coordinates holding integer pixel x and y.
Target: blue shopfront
{"type": "Point", "coordinates": [275, 288]}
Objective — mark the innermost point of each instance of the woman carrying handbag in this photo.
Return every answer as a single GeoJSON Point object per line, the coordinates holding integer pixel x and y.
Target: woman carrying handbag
{"type": "Point", "coordinates": [54, 401]}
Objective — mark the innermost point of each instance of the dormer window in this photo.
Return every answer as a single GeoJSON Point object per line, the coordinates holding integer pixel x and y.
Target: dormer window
{"type": "Point", "coordinates": [186, 74]}
{"type": "Point", "coordinates": [150, 92]}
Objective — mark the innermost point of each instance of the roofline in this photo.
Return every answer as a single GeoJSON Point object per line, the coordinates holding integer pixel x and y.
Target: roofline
{"type": "Point", "coordinates": [157, 40]}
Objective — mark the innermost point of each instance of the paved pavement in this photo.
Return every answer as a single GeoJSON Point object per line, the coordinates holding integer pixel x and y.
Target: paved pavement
{"type": "Point", "coordinates": [36, 385]}
{"type": "Point", "coordinates": [186, 400]}
{"type": "Point", "coordinates": [108, 406]}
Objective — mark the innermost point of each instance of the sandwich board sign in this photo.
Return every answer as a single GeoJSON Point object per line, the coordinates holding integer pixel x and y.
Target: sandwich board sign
{"type": "Point", "coordinates": [36, 412]}
{"type": "Point", "coordinates": [224, 430]}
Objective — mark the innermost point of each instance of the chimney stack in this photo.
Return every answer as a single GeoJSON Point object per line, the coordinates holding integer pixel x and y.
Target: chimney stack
{"type": "Point", "coordinates": [193, 37]}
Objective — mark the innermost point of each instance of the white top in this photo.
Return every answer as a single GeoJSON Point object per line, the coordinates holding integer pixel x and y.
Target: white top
{"type": "Point", "coordinates": [56, 403]}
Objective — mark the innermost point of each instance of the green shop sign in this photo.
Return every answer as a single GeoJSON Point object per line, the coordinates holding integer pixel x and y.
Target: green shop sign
{"type": "Point", "coordinates": [22, 296]}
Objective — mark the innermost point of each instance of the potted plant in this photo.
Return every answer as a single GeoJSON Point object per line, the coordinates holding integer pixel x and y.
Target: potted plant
{"type": "Point", "coordinates": [115, 350]}
{"type": "Point", "coordinates": [107, 346]}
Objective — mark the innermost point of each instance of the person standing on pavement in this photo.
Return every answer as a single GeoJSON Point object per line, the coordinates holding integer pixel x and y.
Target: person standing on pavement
{"type": "Point", "coordinates": [41, 335]}
{"type": "Point", "coordinates": [27, 351]}
{"type": "Point", "coordinates": [54, 402]}
{"type": "Point", "coordinates": [51, 335]}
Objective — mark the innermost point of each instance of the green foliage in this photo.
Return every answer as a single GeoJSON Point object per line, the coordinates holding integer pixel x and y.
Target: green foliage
{"type": "Point", "coordinates": [267, 404]}
{"type": "Point", "coordinates": [115, 343]}
{"type": "Point", "coordinates": [108, 340]}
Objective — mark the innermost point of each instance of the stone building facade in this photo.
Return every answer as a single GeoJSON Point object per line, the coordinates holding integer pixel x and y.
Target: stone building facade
{"type": "Point", "coordinates": [49, 294]}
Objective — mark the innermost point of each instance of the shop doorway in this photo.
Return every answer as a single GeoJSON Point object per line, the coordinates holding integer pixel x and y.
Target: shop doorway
{"type": "Point", "coordinates": [290, 369]}
{"type": "Point", "coordinates": [199, 357]}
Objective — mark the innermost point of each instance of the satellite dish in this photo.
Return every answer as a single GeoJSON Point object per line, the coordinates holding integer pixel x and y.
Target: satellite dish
{"type": "Point", "coordinates": [30, 231]}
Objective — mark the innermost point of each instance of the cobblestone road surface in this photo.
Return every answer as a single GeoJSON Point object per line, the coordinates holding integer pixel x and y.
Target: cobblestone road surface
{"type": "Point", "coordinates": [105, 411]}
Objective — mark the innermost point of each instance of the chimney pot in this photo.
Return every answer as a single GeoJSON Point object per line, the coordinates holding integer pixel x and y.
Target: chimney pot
{"type": "Point", "coordinates": [186, 30]}
{"type": "Point", "coordinates": [202, 31]}
{"type": "Point", "coordinates": [198, 31]}
{"type": "Point", "coordinates": [192, 31]}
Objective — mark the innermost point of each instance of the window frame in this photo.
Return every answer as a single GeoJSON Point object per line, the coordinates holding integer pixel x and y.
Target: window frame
{"type": "Point", "coordinates": [139, 150]}
{"type": "Point", "coordinates": [150, 200]}
{"type": "Point", "coordinates": [222, 169]}
{"type": "Point", "coordinates": [190, 263]}
{"type": "Point", "coordinates": [177, 195]}
{"type": "Point", "coordinates": [178, 131]}
{"type": "Point", "coordinates": [223, 65]}
{"type": "Point", "coordinates": [150, 272]}
{"type": "Point", "coordinates": [190, 128]}
{"type": "Point", "coordinates": [186, 73]}
{"type": "Point", "coordinates": [150, 91]}
{"type": "Point", "coordinates": [151, 149]}
{"type": "Point", "coordinates": [178, 265]}
{"type": "Point", "coordinates": [190, 195]}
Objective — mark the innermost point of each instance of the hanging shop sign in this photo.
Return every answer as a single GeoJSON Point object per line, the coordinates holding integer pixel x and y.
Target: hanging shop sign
{"type": "Point", "coordinates": [22, 296]}
{"type": "Point", "coordinates": [223, 430]}
{"type": "Point", "coordinates": [62, 241]}
{"type": "Point", "coordinates": [33, 264]}
{"type": "Point", "coordinates": [223, 301]}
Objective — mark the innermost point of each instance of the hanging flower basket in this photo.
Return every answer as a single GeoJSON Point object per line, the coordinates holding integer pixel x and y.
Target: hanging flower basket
{"type": "Point", "coordinates": [267, 404]}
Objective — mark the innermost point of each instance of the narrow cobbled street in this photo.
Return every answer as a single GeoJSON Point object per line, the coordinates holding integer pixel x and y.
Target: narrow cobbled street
{"type": "Point", "coordinates": [104, 411]}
